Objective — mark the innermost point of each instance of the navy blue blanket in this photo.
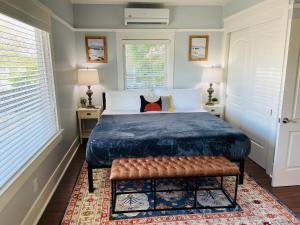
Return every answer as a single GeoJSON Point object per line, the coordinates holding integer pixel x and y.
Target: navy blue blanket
{"type": "Point", "coordinates": [169, 134]}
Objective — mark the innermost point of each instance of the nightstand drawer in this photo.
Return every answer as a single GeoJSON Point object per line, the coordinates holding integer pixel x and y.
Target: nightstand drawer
{"type": "Point", "coordinates": [87, 118]}
{"type": "Point", "coordinates": [216, 110]}
{"type": "Point", "coordinates": [89, 114]}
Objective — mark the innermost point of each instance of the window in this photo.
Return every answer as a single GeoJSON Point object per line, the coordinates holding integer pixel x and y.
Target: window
{"type": "Point", "coordinates": [146, 64]}
{"type": "Point", "coordinates": [27, 103]}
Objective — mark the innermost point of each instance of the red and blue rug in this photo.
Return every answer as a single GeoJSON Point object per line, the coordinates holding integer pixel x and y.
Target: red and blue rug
{"type": "Point", "coordinates": [255, 205]}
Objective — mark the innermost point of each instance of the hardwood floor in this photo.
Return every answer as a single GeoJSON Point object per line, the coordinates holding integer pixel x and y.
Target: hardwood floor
{"type": "Point", "coordinates": [59, 201]}
{"type": "Point", "coordinates": [290, 196]}
{"type": "Point", "coordinates": [54, 212]}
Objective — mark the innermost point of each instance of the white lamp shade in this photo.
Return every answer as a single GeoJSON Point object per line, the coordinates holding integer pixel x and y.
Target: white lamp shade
{"type": "Point", "coordinates": [212, 75]}
{"type": "Point", "coordinates": [88, 77]}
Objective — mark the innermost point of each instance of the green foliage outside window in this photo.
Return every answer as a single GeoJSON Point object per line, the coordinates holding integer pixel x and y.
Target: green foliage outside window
{"type": "Point", "coordinates": [146, 65]}
{"type": "Point", "coordinates": [18, 60]}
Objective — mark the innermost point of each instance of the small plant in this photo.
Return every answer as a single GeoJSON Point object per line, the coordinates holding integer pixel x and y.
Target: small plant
{"type": "Point", "coordinates": [215, 100]}
{"type": "Point", "coordinates": [83, 101]}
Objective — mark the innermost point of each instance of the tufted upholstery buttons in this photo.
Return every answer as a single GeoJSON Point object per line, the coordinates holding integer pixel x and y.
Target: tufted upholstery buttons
{"type": "Point", "coordinates": [176, 166]}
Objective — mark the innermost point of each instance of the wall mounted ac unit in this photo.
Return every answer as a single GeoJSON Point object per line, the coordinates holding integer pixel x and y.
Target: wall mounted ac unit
{"type": "Point", "coordinates": [146, 16]}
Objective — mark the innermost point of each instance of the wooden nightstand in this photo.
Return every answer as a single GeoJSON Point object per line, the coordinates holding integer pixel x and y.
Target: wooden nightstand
{"type": "Point", "coordinates": [87, 114]}
{"type": "Point", "coordinates": [217, 109]}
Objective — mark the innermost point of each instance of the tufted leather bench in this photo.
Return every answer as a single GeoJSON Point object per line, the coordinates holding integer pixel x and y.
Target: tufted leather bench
{"type": "Point", "coordinates": [153, 168]}
{"type": "Point", "coordinates": [172, 167]}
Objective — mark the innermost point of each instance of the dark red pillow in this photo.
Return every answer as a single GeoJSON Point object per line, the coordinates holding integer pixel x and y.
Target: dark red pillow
{"type": "Point", "coordinates": [147, 106]}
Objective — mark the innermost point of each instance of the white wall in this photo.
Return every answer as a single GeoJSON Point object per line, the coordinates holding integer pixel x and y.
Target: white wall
{"type": "Point", "coordinates": [65, 71]}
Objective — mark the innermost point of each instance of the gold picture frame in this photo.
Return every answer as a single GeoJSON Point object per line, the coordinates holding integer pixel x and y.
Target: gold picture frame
{"type": "Point", "coordinates": [198, 48]}
{"type": "Point", "coordinates": [96, 49]}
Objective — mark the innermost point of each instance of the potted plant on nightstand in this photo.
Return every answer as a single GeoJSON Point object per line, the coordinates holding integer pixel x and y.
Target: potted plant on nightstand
{"type": "Point", "coordinates": [215, 100]}
{"type": "Point", "coordinates": [83, 102]}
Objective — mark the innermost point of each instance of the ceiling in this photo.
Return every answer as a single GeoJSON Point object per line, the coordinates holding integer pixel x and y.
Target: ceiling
{"type": "Point", "coordinates": [166, 2]}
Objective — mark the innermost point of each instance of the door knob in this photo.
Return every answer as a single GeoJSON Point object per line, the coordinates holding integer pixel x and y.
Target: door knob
{"type": "Point", "coordinates": [285, 120]}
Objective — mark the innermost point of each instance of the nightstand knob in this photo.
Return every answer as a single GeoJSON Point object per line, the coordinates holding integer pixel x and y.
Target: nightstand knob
{"type": "Point", "coordinates": [212, 110]}
{"type": "Point", "coordinates": [88, 114]}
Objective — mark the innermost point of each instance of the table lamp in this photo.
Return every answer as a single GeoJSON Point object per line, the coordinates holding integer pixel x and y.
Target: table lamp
{"type": "Point", "coordinates": [212, 75]}
{"type": "Point", "coordinates": [88, 77]}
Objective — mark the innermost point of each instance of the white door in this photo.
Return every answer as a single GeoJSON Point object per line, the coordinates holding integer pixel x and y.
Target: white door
{"type": "Point", "coordinates": [286, 170]}
{"type": "Point", "coordinates": [255, 62]}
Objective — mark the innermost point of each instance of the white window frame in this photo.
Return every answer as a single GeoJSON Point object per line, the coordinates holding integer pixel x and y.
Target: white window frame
{"type": "Point", "coordinates": [142, 36]}
{"type": "Point", "coordinates": [8, 191]}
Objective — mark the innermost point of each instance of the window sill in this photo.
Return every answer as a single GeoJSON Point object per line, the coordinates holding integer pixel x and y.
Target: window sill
{"type": "Point", "coordinates": [8, 191]}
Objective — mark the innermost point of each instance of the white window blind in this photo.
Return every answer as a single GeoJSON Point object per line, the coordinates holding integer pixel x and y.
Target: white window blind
{"type": "Point", "coordinates": [146, 64]}
{"type": "Point", "coordinates": [27, 103]}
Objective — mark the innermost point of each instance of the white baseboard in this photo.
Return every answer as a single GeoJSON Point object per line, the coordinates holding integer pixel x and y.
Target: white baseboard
{"type": "Point", "coordinates": [40, 204]}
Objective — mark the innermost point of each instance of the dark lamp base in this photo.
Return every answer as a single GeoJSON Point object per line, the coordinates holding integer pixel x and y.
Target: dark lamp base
{"type": "Point", "coordinates": [210, 91]}
{"type": "Point", "coordinates": [89, 93]}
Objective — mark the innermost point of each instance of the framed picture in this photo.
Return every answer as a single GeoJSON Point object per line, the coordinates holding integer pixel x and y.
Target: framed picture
{"type": "Point", "coordinates": [198, 50]}
{"type": "Point", "coordinates": [96, 50]}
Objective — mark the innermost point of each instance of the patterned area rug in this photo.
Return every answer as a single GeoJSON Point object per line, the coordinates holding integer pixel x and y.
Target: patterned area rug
{"type": "Point", "coordinates": [256, 205]}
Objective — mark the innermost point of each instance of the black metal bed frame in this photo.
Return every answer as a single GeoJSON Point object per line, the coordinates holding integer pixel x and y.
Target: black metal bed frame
{"type": "Point", "coordinates": [91, 167]}
{"type": "Point", "coordinates": [91, 183]}
{"type": "Point", "coordinates": [194, 189]}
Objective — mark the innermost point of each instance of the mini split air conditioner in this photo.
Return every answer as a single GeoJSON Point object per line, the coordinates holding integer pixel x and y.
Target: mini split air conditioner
{"type": "Point", "coordinates": [146, 16]}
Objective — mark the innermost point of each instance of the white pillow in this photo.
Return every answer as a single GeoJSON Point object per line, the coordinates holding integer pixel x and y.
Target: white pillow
{"type": "Point", "coordinates": [127, 100]}
{"type": "Point", "coordinates": [183, 99]}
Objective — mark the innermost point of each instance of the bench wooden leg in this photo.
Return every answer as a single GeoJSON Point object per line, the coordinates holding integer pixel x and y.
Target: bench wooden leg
{"type": "Point", "coordinates": [242, 170]}
{"type": "Point", "coordinates": [90, 179]}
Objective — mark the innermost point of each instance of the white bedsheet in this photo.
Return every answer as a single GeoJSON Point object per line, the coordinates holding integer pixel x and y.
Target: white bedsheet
{"type": "Point", "coordinates": [106, 112]}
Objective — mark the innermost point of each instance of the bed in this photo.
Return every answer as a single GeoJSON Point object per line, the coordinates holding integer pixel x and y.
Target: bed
{"type": "Point", "coordinates": [180, 133]}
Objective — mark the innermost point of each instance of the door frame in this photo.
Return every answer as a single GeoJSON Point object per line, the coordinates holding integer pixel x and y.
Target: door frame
{"type": "Point", "coordinates": [261, 13]}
